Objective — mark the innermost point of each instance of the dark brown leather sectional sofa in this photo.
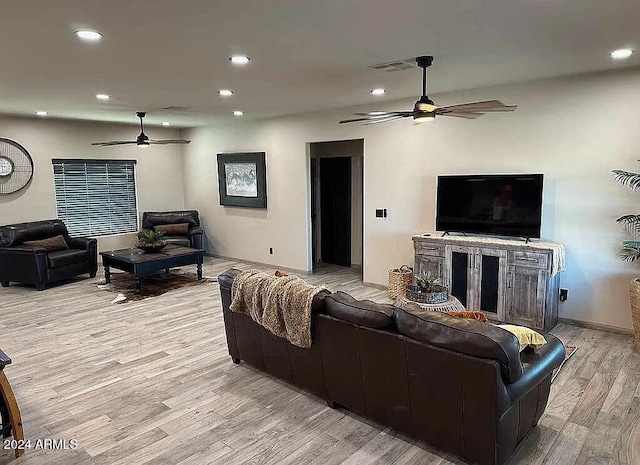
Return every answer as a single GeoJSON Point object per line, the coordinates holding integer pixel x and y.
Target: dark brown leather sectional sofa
{"type": "Point", "coordinates": [460, 385]}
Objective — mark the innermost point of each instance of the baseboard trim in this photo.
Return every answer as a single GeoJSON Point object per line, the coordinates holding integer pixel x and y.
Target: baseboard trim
{"type": "Point", "coordinates": [598, 326]}
{"type": "Point", "coordinates": [250, 262]}
{"type": "Point", "coordinates": [356, 267]}
{"type": "Point", "coordinates": [377, 286]}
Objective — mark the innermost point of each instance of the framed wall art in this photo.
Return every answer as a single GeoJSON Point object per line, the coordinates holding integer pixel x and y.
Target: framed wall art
{"type": "Point", "coordinates": [242, 179]}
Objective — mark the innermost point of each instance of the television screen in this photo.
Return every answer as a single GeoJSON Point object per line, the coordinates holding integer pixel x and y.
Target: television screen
{"type": "Point", "coordinates": [502, 204]}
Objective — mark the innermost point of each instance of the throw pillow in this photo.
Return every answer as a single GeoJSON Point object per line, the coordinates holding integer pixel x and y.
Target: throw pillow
{"type": "Point", "coordinates": [178, 229]}
{"type": "Point", "coordinates": [464, 314]}
{"type": "Point", "coordinates": [50, 244]}
{"type": "Point", "coordinates": [526, 336]}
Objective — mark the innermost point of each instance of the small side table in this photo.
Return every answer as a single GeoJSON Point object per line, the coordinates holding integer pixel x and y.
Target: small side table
{"type": "Point", "coordinates": [451, 305]}
{"type": "Point", "coordinates": [9, 411]}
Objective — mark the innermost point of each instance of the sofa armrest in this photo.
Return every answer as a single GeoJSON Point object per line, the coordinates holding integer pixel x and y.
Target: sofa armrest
{"type": "Point", "coordinates": [226, 278]}
{"type": "Point", "coordinates": [22, 250]}
{"type": "Point", "coordinates": [195, 237]}
{"type": "Point", "coordinates": [89, 244]}
{"type": "Point", "coordinates": [195, 230]}
{"type": "Point", "coordinates": [81, 242]}
{"type": "Point", "coordinates": [537, 365]}
{"type": "Point", "coordinates": [24, 264]}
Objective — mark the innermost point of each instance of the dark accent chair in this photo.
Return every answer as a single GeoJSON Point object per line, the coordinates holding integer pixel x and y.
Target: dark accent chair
{"type": "Point", "coordinates": [194, 236]}
{"type": "Point", "coordinates": [36, 265]}
{"type": "Point", "coordinates": [460, 385]}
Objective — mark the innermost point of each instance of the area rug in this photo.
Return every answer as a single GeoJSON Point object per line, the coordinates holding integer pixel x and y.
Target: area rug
{"type": "Point", "coordinates": [152, 286]}
{"type": "Point", "coordinates": [569, 351]}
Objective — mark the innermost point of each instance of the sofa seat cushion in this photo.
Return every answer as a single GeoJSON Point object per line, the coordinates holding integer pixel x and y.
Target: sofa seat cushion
{"type": "Point", "coordinates": [466, 336]}
{"type": "Point", "coordinates": [179, 229]}
{"type": "Point", "coordinates": [178, 240]}
{"type": "Point", "coordinates": [361, 312]}
{"type": "Point", "coordinates": [60, 258]}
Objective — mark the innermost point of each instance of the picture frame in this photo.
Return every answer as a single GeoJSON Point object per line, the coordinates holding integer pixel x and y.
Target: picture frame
{"type": "Point", "coordinates": [242, 179]}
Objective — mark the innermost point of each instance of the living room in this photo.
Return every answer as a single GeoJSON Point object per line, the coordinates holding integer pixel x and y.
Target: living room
{"type": "Point", "coordinates": [575, 121]}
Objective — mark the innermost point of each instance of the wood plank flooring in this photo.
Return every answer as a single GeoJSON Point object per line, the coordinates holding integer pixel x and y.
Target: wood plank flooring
{"type": "Point", "coordinates": [151, 382]}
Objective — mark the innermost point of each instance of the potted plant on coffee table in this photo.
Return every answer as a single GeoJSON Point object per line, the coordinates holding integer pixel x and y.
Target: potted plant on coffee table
{"type": "Point", "coordinates": [631, 248]}
{"type": "Point", "coordinates": [151, 241]}
{"type": "Point", "coordinates": [427, 290]}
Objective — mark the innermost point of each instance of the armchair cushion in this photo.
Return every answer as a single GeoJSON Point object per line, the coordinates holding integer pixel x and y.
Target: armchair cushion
{"type": "Point", "coordinates": [50, 244]}
{"type": "Point", "coordinates": [179, 229]}
{"type": "Point", "coordinates": [178, 240]}
{"type": "Point", "coordinates": [60, 258]}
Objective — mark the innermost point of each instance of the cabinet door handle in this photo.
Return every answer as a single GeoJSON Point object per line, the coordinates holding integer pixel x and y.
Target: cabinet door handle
{"type": "Point", "coordinates": [527, 259]}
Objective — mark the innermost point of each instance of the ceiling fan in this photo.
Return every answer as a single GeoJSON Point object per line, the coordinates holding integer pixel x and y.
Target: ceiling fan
{"type": "Point", "coordinates": [425, 110]}
{"type": "Point", "coordinates": [142, 140]}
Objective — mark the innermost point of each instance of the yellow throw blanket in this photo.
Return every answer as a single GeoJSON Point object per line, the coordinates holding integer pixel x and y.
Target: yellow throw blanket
{"type": "Point", "coordinates": [282, 305]}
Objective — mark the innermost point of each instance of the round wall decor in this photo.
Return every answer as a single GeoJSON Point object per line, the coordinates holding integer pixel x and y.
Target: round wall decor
{"type": "Point", "coordinates": [16, 166]}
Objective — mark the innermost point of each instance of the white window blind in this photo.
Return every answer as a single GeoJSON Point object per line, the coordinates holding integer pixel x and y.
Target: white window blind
{"type": "Point", "coordinates": [96, 197]}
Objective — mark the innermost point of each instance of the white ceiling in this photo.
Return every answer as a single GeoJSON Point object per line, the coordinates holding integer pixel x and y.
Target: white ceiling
{"type": "Point", "coordinates": [306, 54]}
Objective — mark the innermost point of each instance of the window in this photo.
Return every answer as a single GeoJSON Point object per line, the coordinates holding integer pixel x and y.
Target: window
{"type": "Point", "coordinates": [96, 197]}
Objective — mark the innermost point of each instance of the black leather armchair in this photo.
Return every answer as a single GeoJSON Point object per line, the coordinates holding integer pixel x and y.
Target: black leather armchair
{"type": "Point", "coordinates": [193, 237]}
{"type": "Point", "coordinates": [38, 266]}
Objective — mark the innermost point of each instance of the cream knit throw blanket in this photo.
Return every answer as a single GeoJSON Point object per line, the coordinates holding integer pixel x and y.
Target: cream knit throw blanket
{"type": "Point", "coordinates": [281, 304]}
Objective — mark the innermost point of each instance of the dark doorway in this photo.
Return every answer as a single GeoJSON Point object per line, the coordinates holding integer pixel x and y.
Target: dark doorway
{"type": "Point", "coordinates": [335, 205]}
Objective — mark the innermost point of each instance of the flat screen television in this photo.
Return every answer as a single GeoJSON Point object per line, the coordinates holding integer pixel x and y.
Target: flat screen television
{"type": "Point", "coordinates": [497, 204]}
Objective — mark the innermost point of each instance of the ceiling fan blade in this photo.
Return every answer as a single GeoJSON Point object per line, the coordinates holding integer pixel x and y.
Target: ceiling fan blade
{"type": "Point", "coordinates": [383, 114]}
{"type": "Point", "coordinates": [169, 141]}
{"type": "Point", "coordinates": [462, 114]}
{"type": "Point", "coordinates": [114, 142]}
{"type": "Point", "coordinates": [355, 120]}
{"type": "Point", "coordinates": [392, 118]}
{"type": "Point", "coordinates": [486, 105]}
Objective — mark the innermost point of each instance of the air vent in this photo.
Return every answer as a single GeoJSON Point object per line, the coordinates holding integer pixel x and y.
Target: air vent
{"type": "Point", "coordinates": [398, 65]}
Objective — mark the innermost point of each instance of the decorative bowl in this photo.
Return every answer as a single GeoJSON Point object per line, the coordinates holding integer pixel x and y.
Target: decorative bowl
{"type": "Point", "coordinates": [438, 296]}
{"type": "Point", "coordinates": [151, 248]}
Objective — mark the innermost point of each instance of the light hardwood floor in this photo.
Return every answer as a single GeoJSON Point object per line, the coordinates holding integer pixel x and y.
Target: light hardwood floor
{"type": "Point", "coordinates": [151, 382]}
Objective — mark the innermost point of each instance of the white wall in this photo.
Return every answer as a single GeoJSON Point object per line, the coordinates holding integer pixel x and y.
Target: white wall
{"type": "Point", "coordinates": [158, 169]}
{"type": "Point", "coordinates": [574, 130]}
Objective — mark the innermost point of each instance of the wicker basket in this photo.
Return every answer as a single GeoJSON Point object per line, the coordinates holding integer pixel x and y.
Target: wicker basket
{"type": "Point", "coordinates": [399, 279]}
{"type": "Point", "coordinates": [634, 297]}
{"type": "Point", "coordinates": [429, 297]}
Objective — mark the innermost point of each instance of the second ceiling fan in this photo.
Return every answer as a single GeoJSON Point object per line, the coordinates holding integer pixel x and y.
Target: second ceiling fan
{"type": "Point", "coordinates": [425, 110]}
{"type": "Point", "coordinates": [142, 140]}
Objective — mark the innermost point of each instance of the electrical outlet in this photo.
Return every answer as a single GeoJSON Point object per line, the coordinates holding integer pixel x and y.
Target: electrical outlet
{"type": "Point", "coordinates": [270, 250]}
{"type": "Point", "coordinates": [564, 294]}
{"type": "Point", "coordinates": [379, 213]}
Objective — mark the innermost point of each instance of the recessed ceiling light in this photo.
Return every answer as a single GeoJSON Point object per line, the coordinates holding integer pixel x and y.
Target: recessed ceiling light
{"type": "Point", "coordinates": [621, 53]}
{"type": "Point", "coordinates": [378, 91]}
{"type": "Point", "coordinates": [166, 123]}
{"type": "Point", "coordinates": [103, 96]}
{"type": "Point", "coordinates": [239, 59]}
{"type": "Point", "coordinates": [237, 113]}
{"type": "Point", "coordinates": [225, 92]}
{"type": "Point", "coordinates": [42, 113]}
{"type": "Point", "coordinates": [88, 35]}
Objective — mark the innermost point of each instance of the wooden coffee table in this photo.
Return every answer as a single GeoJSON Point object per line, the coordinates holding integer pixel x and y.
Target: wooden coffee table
{"type": "Point", "coordinates": [140, 263]}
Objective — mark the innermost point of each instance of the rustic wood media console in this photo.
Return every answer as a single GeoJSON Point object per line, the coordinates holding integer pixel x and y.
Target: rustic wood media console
{"type": "Point", "coordinates": [510, 281]}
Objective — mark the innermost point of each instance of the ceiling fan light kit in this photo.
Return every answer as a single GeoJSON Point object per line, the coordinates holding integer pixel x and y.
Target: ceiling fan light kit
{"type": "Point", "coordinates": [426, 110]}
{"type": "Point", "coordinates": [142, 141]}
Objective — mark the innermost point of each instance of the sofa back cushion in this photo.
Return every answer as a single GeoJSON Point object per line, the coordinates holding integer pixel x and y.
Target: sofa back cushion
{"type": "Point", "coordinates": [361, 312]}
{"type": "Point", "coordinates": [152, 219]}
{"type": "Point", "coordinates": [50, 244]}
{"type": "Point", "coordinates": [17, 234]}
{"type": "Point", "coordinates": [462, 335]}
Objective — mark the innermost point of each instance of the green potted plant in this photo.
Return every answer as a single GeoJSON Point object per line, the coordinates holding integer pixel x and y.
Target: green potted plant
{"type": "Point", "coordinates": [631, 248]}
{"type": "Point", "coordinates": [151, 241]}
{"type": "Point", "coordinates": [428, 289]}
